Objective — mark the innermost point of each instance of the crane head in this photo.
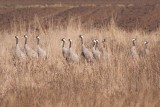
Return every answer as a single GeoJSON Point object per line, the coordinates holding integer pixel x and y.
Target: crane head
{"type": "Point", "coordinates": [70, 40]}
{"type": "Point", "coordinates": [25, 36]}
{"type": "Point", "coordinates": [16, 37]}
{"type": "Point", "coordinates": [97, 41]}
{"type": "Point", "coordinates": [104, 40]}
{"type": "Point", "coordinates": [80, 36]}
{"type": "Point", "coordinates": [145, 42]}
{"type": "Point", "coordinates": [37, 37]}
{"type": "Point", "coordinates": [94, 41]}
{"type": "Point", "coordinates": [63, 39]}
{"type": "Point", "coordinates": [134, 39]}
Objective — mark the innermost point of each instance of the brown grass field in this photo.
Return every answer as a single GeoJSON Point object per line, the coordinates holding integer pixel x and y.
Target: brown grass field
{"type": "Point", "coordinates": [120, 81]}
{"type": "Point", "coordinates": [128, 15]}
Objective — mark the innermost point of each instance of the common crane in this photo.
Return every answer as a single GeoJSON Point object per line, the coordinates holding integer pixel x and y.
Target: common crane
{"type": "Point", "coordinates": [41, 52]}
{"type": "Point", "coordinates": [29, 51]}
{"type": "Point", "coordinates": [19, 52]}
{"type": "Point", "coordinates": [146, 50]}
{"type": "Point", "coordinates": [65, 51]}
{"type": "Point", "coordinates": [85, 52]}
{"type": "Point", "coordinates": [95, 50]}
{"type": "Point", "coordinates": [134, 49]}
{"type": "Point", "coordinates": [72, 55]}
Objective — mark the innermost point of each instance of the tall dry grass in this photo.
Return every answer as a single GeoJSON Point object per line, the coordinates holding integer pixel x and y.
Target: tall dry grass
{"type": "Point", "coordinates": [120, 82]}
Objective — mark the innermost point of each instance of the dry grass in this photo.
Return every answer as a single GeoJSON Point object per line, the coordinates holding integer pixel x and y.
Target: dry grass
{"type": "Point", "coordinates": [120, 82]}
{"type": "Point", "coordinates": [67, 5]}
{"type": "Point", "coordinates": [19, 6]}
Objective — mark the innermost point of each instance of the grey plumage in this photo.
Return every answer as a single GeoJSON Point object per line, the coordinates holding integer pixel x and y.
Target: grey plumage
{"type": "Point", "coordinates": [65, 51]}
{"type": "Point", "coordinates": [41, 52]}
{"type": "Point", "coordinates": [104, 52]}
{"type": "Point", "coordinates": [95, 50]}
{"type": "Point", "coordinates": [19, 52]}
{"type": "Point", "coordinates": [146, 50]}
{"type": "Point", "coordinates": [72, 55]}
{"type": "Point", "coordinates": [134, 52]}
{"type": "Point", "coordinates": [29, 51]}
{"type": "Point", "coordinates": [85, 52]}
{"type": "Point", "coordinates": [94, 47]}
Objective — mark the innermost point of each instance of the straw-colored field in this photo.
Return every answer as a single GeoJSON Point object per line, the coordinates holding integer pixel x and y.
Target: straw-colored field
{"type": "Point", "coordinates": [121, 81]}
{"type": "Point", "coordinates": [128, 16]}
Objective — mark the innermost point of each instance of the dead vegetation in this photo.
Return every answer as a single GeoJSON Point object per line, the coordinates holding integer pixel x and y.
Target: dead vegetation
{"type": "Point", "coordinates": [127, 16]}
{"type": "Point", "coordinates": [119, 82]}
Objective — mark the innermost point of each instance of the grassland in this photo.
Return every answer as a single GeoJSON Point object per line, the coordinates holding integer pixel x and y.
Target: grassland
{"type": "Point", "coordinates": [127, 16]}
{"type": "Point", "coordinates": [121, 81]}
{"type": "Point", "coordinates": [28, 2]}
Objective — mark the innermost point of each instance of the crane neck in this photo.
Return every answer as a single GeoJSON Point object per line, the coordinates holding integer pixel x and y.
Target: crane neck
{"type": "Point", "coordinates": [146, 46]}
{"type": "Point", "coordinates": [16, 41]}
{"type": "Point", "coordinates": [38, 41]}
{"type": "Point", "coordinates": [103, 44]}
{"type": "Point", "coordinates": [70, 44]}
{"type": "Point", "coordinates": [82, 40]}
{"type": "Point", "coordinates": [25, 40]}
{"type": "Point", "coordinates": [96, 45]}
{"type": "Point", "coordinates": [63, 44]}
{"type": "Point", "coordinates": [133, 43]}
